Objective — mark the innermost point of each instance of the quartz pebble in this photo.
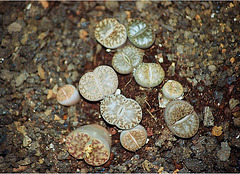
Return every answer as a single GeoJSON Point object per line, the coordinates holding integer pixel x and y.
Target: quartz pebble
{"type": "Point", "coordinates": [224, 153]}
{"type": "Point", "coordinates": [208, 117]}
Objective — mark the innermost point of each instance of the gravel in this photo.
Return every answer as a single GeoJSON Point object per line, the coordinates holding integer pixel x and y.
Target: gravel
{"type": "Point", "coordinates": [42, 49]}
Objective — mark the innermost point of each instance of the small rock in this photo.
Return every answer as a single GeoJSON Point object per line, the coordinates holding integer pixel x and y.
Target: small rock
{"type": "Point", "coordinates": [180, 49]}
{"type": "Point", "coordinates": [70, 67]}
{"type": "Point", "coordinates": [224, 153]}
{"type": "Point", "coordinates": [164, 138]}
{"type": "Point", "coordinates": [112, 5]}
{"type": "Point", "coordinates": [217, 131]}
{"type": "Point", "coordinates": [14, 27]}
{"type": "Point", "coordinates": [83, 34]}
{"type": "Point", "coordinates": [218, 96]}
{"type": "Point", "coordinates": [171, 69]}
{"type": "Point", "coordinates": [188, 34]}
{"type": "Point", "coordinates": [74, 76]}
{"type": "Point", "coordinates": [56, 118]}
{"type": "Point", "coordinates": [166, 3]}
{"type": "Point", "coordinates": [147, 165]}
{"type": "Point", "coordinates": [208, 117]}
{"type": "Point", "coordinates": [48, 111]}
{"type": "Point", "coordinates": [41, 72]}
{"type": "Point", "coordinates": [236, 121]}
{"type": "Point", "coordinates": [42, 35]}
{"type": "Point", "coordinates": [211, 143]}
{"type": "Point", "coordinates": [63, 155]}
{"type": "Point", "coordinates": [26, 141]}
{"type": "Point", "coordinates": [231, 79]}
{"type": "Point", "coordinates": [75, 123]}
{"type": "Point", "coordinates": [233, 102]}
{"type": "Point", "coordinates": [140, 5]}
{"type": "Point", "coordinates": [212, 68]}
{"type": "Point", "coordinates": [21, 78]}
{"type": "Point", "coordinates": [84, 170]}
{"type": "Point", "coordinates": [25, 162]}
{"type": "Point", "coordinates": [6, 75]}
{"type": "Point", "coordinates": [50, 94]}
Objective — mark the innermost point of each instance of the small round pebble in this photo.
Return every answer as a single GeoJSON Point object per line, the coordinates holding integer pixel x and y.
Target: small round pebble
{"type": "Point", "coordinates": [212, 68]}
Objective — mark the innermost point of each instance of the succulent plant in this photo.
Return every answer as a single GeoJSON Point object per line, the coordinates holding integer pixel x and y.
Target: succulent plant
{"type": "Point", "coordinates": [91, 143]}
{"type": "Point", "coordinates": [110, 33]}
{"type": "Point", "coordinates": [133, 139]}
{"type": "Point", "coordinates": [140, 33]}
{"type": "Point", "coordinates": [68, 95]}
{"type": "Point", "coordinates": [123, 112]}
{"type": "Point", "coordinates": [181, 118]}
{"type": "Point", "coordinates": [149, 74]}
{"type": "Point", "coordinates": [171, 90]}
{"type": "Point", "coordinates": [95, 85]}
{"type": "Point", "coordinates": [126, 59]}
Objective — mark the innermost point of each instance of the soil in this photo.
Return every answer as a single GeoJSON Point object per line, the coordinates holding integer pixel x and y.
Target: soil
{"type": "Point", "coordinates": [44, 46]}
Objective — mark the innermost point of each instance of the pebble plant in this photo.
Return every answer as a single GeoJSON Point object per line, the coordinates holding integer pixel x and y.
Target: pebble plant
{"type": "Point", "coordinates": [149, 74]}
{"type": "Point", "coordinates": [110, 33]}
{"type": "Point", "coordinates": [91, 143]}
{"type": "Point", "coordinates": [181, 118]}
{"type": "Point", "coordinates": [123, 112]}
{"type": "Point", "coordinates": [96, 85]}
{"type": "Point", "coordinates": [68, 95]}
{"type": "Point", "coordinates": [127, 58]}
{"type": "Point", "coordinates": [133, 139]}
{"type": "Point", "coordinates": [140, 33]}
{"type": "Point", "coordinates": [171, 90]}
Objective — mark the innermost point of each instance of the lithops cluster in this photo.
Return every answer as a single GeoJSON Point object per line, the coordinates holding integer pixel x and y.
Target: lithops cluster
{"type": "Point", "coordinates": [149, 74]}
{"type": "Point", "coordinates": [181, 118]}
{"type": "Point", "coordinates": [126, 59]}
{"type": "Point", "coordinates": [91, 143]}
{"type": "Point", "coordinates": [123, 112]}
{"type": "Point", "coordinates": [140, 33]}
{"type": "Point", "coordinates": [98, 84]}
{"type": "Point", "coordinates": [171, 90]}
{"type": "Point", "coordinates": [68, 95]}
{"type": "Point", "coordinates": [110, 33]}
{"type": "Point", "coordinates": [133, 139]}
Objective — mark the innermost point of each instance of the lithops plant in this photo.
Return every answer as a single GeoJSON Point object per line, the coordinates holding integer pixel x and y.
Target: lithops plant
{"type": "Point", "coordinates": [149, 74]}
{"type": "Point", "coordinates": [127, 58]}
{"type": "Point", "coordinates": [110, 33]}
{"type": "Point", "coordinates": [171, 90]}
{"type": "Point", "coordinates": [94, 86]}
{"type": "Point", "coordinates": [140, 33]}
{"type": "Point", "coordinates": [133, 139]}
{"type": "Point", "coordinates": [91, 143]}
{"type": "Point", "coordinates": [68, 95]}
{"type": "Point", "coordinates": [181, 118]}
{"type": "Point", "coordinates": [123, 112]}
